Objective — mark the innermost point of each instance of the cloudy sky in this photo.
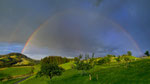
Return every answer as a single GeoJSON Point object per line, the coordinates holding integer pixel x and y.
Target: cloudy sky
{"type": "Point", "coordinates": [71, 27]}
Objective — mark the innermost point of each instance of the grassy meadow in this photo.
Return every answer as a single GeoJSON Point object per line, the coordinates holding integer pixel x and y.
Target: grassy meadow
{"type": "Point", "coordinates": [137, 72]}
{"type": "Point", "coordinates": [119, 70]}
{"type": "Point", "coordinates": [13, 74]}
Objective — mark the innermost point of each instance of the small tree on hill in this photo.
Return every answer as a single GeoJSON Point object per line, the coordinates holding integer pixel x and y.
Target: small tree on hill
{"type": "Point", "coordinates": [86, 56]}
{"type": "Point", "coordinates": [80, 56]}
{"type": "Point", "coordinates": [129, 53]}
{"type": "Point", "coordinates": [83, 66]}
{"type": "Point", "coordinates": [93, 54]}
{"type": "Point", "coordinates": [91, 60]}
{"type": "Point", "coordinates": [147, 53]}
{"type": "Point", "coordinates": [50, 70]}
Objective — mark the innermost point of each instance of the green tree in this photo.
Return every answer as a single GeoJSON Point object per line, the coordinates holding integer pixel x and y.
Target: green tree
{"type": "Point", "coordinates": [86, 56]}
{"type": "Point", "coordinates": [91, 61]}
{"type": "Point", "coordinates": [93, 54]}
{"type": "Point", "coordinates": [55, 60]}
{"type": "Point", "coordinates": [50, 70]}
{"type": "Point", "coordinates": [80, 56]}
{"type": "Point", "coordinates": [147, 53]}
{"type": "Point", "coordinates": [129, 53]}
{"type": "Point", "coordinates": [76, 60]}
{"type": "Point", "coordinates": [83, 66]}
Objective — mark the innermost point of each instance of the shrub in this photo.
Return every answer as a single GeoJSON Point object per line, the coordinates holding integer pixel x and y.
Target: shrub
{"type": "Point", "coordinates": [118, 59]}
{"type": "Point", "coordinates": [83, 66]}
{"type": "Point", "coordinates": [104, 60]}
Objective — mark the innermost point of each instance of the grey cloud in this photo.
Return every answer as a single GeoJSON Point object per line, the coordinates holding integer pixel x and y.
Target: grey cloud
{"type": "Point", "coordinates": [77, 31]}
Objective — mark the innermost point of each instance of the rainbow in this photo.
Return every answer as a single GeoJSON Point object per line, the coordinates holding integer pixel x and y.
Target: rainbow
{"type": "Point", "coordinates": [33, 34]}
{"type": "Point", "coordinates": [111, 21]}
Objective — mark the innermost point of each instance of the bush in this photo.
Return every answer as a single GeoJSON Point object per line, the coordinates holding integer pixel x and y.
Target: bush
{"type": "Point", "coordinates": [83, 66]}
{"type": "Point", "coordinates": [104, 60]}
{"type": "Point", "coordinates": [118, 59]}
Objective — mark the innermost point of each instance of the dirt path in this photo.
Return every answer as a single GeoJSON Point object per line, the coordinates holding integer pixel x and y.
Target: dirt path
{"type": "Point", "coordinates": [23, 79]}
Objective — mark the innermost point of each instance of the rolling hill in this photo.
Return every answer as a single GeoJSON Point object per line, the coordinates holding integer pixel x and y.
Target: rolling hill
{"type": "Point", "coordinates": [16, 59]}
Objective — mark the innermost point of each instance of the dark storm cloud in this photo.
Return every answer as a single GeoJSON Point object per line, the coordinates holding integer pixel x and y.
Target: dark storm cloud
{"type": "Point", "coordinates": [20, 18]}
{"type": "Point", "coordinates": [71, 33]}
{"type": "Point", "coordinates": [134, 17]}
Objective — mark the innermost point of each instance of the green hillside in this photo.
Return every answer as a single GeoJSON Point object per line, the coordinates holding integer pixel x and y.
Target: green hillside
{"type": "Point", "coordinates": [15, 59]}
{"type": "Point", "coordinates": [11, 75]}
{"type": "Point", "coordinates": [135, 72]}
{"type": "Point", "coordinates": [14, 71]}
{"type": "Point", "coordinates": [125, 69]}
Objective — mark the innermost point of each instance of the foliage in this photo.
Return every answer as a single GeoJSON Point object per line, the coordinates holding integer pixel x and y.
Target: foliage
{"type": "Point", "coordinates": [136, 73]}
{"type": "Point", "coordinates": [50, 70]}
{"type": "Point", "coordinates": [93, 54]}
{"type": "Point", "coordinates": [118, 59]}
{"type": "Point", "coordinates": [147, 53]}
{"type": "Point", "coordinates": [126, 58]}
{"type": "Point", "coordinates": [80, 56]}
{"type": "Point", "coordinates": [55, 60]}
{"type": "Point", "coordinates": [83, 66]}
{"type": "Point", "coordinates": [104, 60]}
{"type": "Point", "coordinates": [76, 59]}
{"type": "Point", "coordinates": [129, 53]}
{"type": "Point", "coordinates": [98, 73]}
{"type": "Point", "coordinates": [111, 55]}
{"type": "Point", "coordinates": [86, 56]}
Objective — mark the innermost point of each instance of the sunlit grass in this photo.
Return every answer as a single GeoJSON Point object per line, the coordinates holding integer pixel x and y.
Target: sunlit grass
{"type": "Point", "coordinates": [68, 65]}
{"type": "Point", "coordinates": [136, 72]}
{"type": "Point", "coordinates": [14, 71]}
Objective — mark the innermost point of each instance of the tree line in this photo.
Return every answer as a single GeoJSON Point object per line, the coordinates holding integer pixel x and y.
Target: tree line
{"type": "Point", "coordinates": [50, 65]}
{"type": "Point", "coordinates": [55, 60]}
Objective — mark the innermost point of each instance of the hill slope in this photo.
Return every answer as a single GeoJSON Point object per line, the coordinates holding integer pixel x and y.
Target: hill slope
{"type": "Point", "coordinates": [125, 73]}
{"type": "Point", "coordinates": [15, 59]}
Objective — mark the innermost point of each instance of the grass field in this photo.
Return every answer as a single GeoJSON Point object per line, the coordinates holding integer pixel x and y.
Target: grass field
{"type": "Point", "coordinates": [11, 81]}
{"type": "Point", "coordinates": [137, 72]}
{"type": "Point", "coordinates": [13, 74]}
{"type": "Point", "coordinates": [67, 66]}
{"type": "Point", "coordinates": [15, 71]}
